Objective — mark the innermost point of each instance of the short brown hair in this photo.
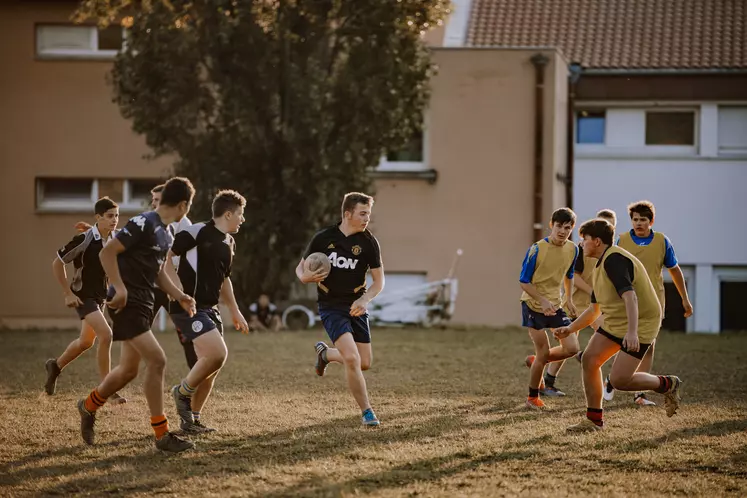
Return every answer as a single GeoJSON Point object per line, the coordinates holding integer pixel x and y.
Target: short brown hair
{"type": "Point", "coordinates": [598, 228]}
{"type": "Point", "coordinates": [157, 189]}
{"type": "Point", "coordinates": [563, 216]}
{"type": "Point", "coordinates": [643, 208]}
{"type": "Point", "coordinates": [103, 205]}
{"type": "Point", "coordinates": [352, 199]}
{"type": "Point", "coordinates": [227, 200]}
{"type": "Point", "coordinates": [608, 215]}
{"type": "Point", "coordinates": [176, 190]}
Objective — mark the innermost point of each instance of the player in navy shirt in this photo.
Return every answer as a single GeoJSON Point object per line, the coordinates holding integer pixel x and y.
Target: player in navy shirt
{"type": "Point", "coordinates": [342, 295]}
{"type": "Point", "coordinates": [86, 293]}
{"type": "Point", "coordinates": [205, 252]}
{"type": "Point", "coordinates": [134, 263]}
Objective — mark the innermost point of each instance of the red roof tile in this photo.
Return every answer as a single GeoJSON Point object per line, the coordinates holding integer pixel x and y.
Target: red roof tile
{"type": "Point", "coordinates": [625, 34]}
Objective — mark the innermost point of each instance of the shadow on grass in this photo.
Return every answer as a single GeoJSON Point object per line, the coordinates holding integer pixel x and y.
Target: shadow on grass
{"type": "Point", "coordinates": [431, 469]}
{"type": "Point", "coordinates": [152, 470]}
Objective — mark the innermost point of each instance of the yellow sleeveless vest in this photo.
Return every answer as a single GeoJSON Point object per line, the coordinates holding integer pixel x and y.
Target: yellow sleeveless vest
{"type": "Point", "coordinates": [552, 264]}
{"type": "Point", "coordinates": [613, 307]}
{"type": "Point", "coordinates": [652, 257]}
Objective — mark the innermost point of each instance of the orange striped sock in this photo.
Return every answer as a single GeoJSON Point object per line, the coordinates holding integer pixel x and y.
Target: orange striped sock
{"type": "Point", "coordinates": [94, 401]}
{"type": "Point", "coordinates": [160, 425]}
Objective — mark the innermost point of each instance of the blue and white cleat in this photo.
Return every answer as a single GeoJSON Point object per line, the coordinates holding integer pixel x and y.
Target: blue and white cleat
{"type": "Point", "coordinates": [369, 419]}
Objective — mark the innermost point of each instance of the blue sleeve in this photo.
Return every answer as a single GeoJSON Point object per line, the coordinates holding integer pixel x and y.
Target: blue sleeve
{"type": "Point", "coordinates": [529, 265]}
{"type": "Point", "coordinates": [617, 241]}
{"type": "Point", "coordinates": [670, 259]}
{"type": "Point", "coordinates": [572, 269]}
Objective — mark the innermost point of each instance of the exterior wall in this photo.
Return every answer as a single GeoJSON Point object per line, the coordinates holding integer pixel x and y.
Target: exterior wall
{"type": "Point", "coordinates": [480, 141]}
{"type": "Point", "coordinates": [58, 121]}
{"type": "Point", "coordinates": [698, 196]}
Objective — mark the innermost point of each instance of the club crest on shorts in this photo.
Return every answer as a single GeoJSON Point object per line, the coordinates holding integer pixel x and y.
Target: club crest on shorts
{"type": "Point", "coordinates": [197, 326]}
{"type": "Point", "coordinates": [356, 250]}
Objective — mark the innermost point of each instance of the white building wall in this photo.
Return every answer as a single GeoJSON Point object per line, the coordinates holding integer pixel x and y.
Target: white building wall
{"type": "Point", "coordinates": [700, 197]}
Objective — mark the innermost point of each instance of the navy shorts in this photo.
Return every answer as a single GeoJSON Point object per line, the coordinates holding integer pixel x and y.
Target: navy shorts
{"type": "Point", "coordinates": [337, 321]}
{"type": "Point", "coordinates": [192, 327]}
{"type": "Point", "coordinates": [642, 348]}
{"type": "Point", "coordinates": [539, 321]}
{"type": "Point", "coordinates": [89, 306]}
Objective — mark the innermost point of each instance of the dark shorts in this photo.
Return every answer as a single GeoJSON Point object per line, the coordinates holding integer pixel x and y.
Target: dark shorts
{"type": "Point", "coordinates": [136, 318]}
{"type": "Point", "coordinates": [539, 321]}
{"type": "Point", "coordinates": [337, 321]}
{"type": "Point", "coordinates": [89, 306]}
{"type": "Point", "coordinates": [637, 354]}
{"type": "Point", "coordinates": [131, 321]}
{"type": "Point", "coordinates": [161, 301]}
{"type": "Point", "coordinates": [192, 327]}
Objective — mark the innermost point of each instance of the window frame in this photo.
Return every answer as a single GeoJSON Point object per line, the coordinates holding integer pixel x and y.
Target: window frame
{"type": "Point", "coordinates": [65, 205]}
{"type": "Point", "coordinates": [77, 54]}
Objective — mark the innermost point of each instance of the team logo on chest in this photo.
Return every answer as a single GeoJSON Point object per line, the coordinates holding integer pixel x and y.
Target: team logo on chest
{"type": "Point", "coordinates": [356, 250]}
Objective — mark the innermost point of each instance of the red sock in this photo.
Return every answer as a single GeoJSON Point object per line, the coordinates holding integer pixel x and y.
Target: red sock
{"type": "Point", "coordinates": [665, 384]}
{"type": "Point", "coordinates": [595, 415]}
{"type": "Point", "coordinates": [94, 401]}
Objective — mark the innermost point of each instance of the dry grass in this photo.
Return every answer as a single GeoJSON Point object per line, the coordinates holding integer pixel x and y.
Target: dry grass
{"type": "Point", "coordinates": [453, 424]}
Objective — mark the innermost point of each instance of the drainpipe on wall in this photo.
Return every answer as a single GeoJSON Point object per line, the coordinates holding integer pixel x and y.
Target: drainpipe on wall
{"type": "Point", "coordinates": [574, 74]}
{"type": "Point", "coordinates": [539, 61]}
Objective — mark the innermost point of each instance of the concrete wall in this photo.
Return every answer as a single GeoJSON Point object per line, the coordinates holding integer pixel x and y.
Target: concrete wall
{"type": "Point", "coordinates": [480, 140]}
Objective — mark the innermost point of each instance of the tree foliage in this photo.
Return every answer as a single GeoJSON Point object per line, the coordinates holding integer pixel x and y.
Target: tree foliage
{"type": "Point", "coordinates": [289, 102]}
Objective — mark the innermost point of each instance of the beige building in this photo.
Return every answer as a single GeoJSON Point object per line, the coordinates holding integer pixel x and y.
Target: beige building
{"type": "Point", "coordinates": [495, 160]}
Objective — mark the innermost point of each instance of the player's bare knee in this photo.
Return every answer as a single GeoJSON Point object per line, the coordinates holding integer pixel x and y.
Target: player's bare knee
{"type": "Point", "coordinates": [351, 360]}
{"type": "Point", "coordinates": [571, 349]}
{"type": "Point", "coordinates": [589, 362]}
{"type": "Point", "coordinates": [620, 381]}
{"type": "Point", "coordinates": [365, 364]}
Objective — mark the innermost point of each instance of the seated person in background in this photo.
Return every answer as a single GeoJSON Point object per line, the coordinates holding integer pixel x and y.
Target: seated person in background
{"type": "Point", "coordinates": [263, 315]}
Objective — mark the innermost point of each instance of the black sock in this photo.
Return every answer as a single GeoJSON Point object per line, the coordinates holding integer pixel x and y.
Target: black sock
{"type": "Point", "coordinates": [609, 387]}
{"type": "Point", "coordinates": [534, 393]}
{"type": "Point", "coordinates": [595, 415]}
{"type": "Point", "coordinates": [549, 380]}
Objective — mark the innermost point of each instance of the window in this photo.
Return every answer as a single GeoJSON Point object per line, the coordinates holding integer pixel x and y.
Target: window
{"type": "Point", "coordinates": [66, 194]}
{"type": "Point", "coordinates": [670, 128]}
{"type": "Point", "coordinates": [732, 130]}
{"type": "Point", "coordinates": [590, 127]}
{"type": "Point", "coordinates": [87, 42]}
{"type": "Point", "coordinates": [410, 157]}
{"type": "Point", "coordinates": [136, 193]}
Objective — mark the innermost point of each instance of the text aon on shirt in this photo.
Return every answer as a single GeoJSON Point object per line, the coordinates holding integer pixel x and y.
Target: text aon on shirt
{"type": "Point", "coordinates": [342, 262]}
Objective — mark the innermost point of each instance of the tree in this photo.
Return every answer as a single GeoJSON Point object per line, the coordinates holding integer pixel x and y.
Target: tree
{"type": "Point", "coordinates": [289, 102]}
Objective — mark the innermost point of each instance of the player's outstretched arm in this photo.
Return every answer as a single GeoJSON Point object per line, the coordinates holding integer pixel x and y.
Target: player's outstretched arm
{"type": "Point", "coordinates": [587, 318]}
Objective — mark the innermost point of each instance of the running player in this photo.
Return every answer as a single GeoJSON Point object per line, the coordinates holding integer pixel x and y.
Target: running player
{"type": "Point", "coordinates": [86, 293]}
{"type": "Point", "coordinates": [656, 252]}
{"type": "Point", "coordinates": [632, 319]}
{"type": "Point", "coordinates": [547, 269]}
{"type": "Point", "coordinates": [134, 261]}
{"type": "Point", "coordinates": [206, 253]}
{"type": "Point", "coordinates": [342, 295]}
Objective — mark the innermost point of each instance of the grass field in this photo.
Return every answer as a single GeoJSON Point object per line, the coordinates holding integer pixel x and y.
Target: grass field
{"type": "Point", "coordinates": [451, 405]}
